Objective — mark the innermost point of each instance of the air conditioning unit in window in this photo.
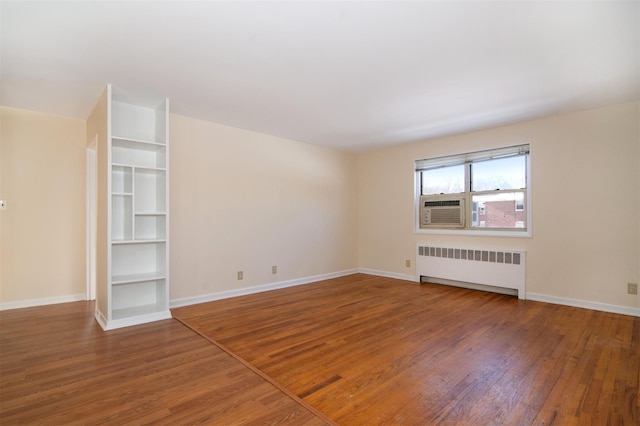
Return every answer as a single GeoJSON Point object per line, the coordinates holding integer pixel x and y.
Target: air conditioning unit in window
{"type": "Point", "coordinates": [441, 211]}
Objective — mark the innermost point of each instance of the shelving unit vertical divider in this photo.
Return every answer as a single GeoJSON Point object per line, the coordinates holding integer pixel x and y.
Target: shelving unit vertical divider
{"type": "Point", "coordinates": [137, 163]}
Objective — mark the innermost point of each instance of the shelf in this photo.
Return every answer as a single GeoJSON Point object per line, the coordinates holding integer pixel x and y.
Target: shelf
{"type": "Point", "coordinates": [138, 257]}
{"type": "Point", "coordinates": [137, 143]}
{"type": "Point", "coordinates": [136, 311]}
{"type": "Point", "coordinates": [139, 123]}
{"type": "Point", "coordinates": [140, 169]}
{"type": "Point", "coordinates": [150, 190]}
{"type": "Point", "coordinates": [121, 179]}
{"type": "Point", "coordinates": [138, 297]}
{"type": "Point", "coordinates": [121, 217]}
{"type": "Point", "coordinates": [137, 278]}
{"type": "Point", "coordinates": [150, 226]}
{"type": "Point", "coordinates": [130, 153]}
{"type": "Point", "coordinates": [138, 241]}
{"type": "Point", "coordinates": [131, 166]}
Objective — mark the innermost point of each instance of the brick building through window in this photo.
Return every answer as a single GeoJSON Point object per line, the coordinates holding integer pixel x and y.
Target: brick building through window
{"type": "Point", "coordinates": [500, 214]}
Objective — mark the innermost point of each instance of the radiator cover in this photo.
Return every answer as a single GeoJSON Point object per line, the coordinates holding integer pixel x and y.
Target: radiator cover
{"type": "Point", "coordinates": [489, 267]}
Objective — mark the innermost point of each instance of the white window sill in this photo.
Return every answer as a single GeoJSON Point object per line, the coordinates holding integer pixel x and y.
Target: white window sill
{"type": "Point", "coordinates": [475, 232]}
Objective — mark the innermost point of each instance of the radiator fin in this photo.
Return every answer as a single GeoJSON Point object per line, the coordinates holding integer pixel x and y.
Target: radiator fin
{"type": "Point", "coordinates": [465, 254]}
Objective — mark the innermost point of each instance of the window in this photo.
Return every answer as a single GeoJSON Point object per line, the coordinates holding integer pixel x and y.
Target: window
{"type": "Point", "coordinates": [445, 180]}
{"type": "Point", "coordinates": [477, 191]}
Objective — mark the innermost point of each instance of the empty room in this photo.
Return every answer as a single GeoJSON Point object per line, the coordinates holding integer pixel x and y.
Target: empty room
{"type": "Point", "coordinates": [320, 212]}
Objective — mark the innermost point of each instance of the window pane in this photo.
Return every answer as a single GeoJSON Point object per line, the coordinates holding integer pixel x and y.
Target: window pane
{"type": "Point", "coordinates": [499, 210]}
{"type": "Point", "coordinates": [503, 173]}
{"type": "Point", "coordinates": [445, 180]}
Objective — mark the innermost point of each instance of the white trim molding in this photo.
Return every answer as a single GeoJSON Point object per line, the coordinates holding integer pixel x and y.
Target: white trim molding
{"type": "Point", "coordinates": [176, 303]}
{"type": "Point", "coordinates": [30, 303]}
{"type": "Point", "coordinates": [386, 274]}
{"type": "Point", "coordinates": [186, 301]}
{"type": "Point", "coordinates": [585, 304]}
{"type": "Point", "coordinates": [128, 322]}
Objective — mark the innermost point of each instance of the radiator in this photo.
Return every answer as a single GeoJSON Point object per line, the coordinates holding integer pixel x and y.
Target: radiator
{"type": "Point", "coordinates": [499, 269]}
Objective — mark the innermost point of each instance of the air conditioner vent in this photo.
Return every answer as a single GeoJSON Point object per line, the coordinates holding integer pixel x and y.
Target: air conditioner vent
{"type": "Point", "coordinates": [441, 212]}
{"type": "Point", "coordinates": [442, 203]}
{"type": "Point", "coordinates": [444, 216]}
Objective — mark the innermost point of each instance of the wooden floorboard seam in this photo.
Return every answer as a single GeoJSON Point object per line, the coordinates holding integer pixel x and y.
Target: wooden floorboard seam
{"type": "Point", "coordinates": [260, 373]}
{"type": "Point", "coordinates": [376, 351]}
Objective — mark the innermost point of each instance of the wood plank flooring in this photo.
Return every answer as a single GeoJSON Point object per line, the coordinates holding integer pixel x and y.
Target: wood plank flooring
{"type": "Point", "coordinates": [57, 367]}
{"type": "Point", "coordinates": [360, 349]}
{"type": "Point", "coordinates": [372, 350]}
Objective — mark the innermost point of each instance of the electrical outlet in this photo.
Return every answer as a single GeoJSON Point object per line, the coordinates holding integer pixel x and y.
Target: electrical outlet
{"type": "Point", "coordinates": [240, 275]}
{"type": "Point", "coordinates": [632, 288]}
{"type": "Point", "coordinates": [407, 263]}
{"type": "Point", "coordinates": [274, 269]}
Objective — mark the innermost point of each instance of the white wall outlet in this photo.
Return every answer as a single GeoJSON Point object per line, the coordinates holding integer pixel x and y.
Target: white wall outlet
{"type": "Point", "coordinates": [632, 288]}
{"type": "Point", "coordinates": [407, 263]}
{"type": "Point", "coordinates": [274, 269]}
{"type": "Point", "coordinates": [240, 275]}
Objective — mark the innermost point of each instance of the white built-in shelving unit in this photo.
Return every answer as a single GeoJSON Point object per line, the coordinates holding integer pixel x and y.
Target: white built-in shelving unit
{"type": "Point", "coordinates": [138, 214]}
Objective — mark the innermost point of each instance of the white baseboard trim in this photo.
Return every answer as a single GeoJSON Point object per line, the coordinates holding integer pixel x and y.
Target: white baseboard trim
{"type": "Point", "coordinates": [576, 303]}
{"type": "Point", "coordinates": [186, 301]}
{"type": "Point", "coordinates": [30, 303]}
{"type": "Point", "coordinates": [128, 322]}
{"type": "Point", "coordinates": [386, 274]}
{"type": "Point", "coordinates": [176, 303]}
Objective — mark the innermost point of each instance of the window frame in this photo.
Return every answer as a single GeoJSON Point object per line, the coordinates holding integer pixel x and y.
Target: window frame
{"type": "Point", "coordinates": [469, 229]}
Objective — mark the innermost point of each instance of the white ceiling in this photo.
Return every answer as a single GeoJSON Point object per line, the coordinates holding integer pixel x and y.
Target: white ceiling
{"type": "Point", "coordinates": [352, 75]}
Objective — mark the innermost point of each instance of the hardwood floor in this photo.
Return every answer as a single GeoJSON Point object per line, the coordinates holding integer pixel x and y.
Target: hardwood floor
{"type": "Point", "coordinates": [57, 367]}
{"type": "Point", "coordinates": [360, 349]}
{"type": "Point", "coordinates": [372, 350]}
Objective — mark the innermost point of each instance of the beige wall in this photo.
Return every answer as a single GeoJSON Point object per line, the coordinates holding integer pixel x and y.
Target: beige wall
{"type": "Point", "coordinates": [241, 200]}
{"type": "Point", "coordinates": [246, 201]}
{"type": "Point", "coordinates": [42, 231]}
{"type": "Point", "coordinates": [580, 163]}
